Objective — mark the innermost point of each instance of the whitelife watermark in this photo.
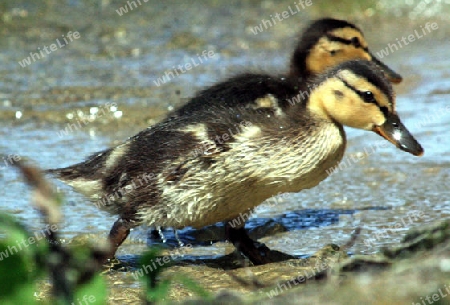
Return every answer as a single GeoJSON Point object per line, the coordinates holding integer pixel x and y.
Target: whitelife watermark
{"type": "Point", "coordinates": [430, 299]}
{"type": "Point", "coordinates": [130, 5]}
{"type": "Point", "coordinates": [302, 95]}
{"type": "Point", "coordinates": [82, 119]}
{"type": "Point", "coordinates": [403, 223]}
{"type": "Point", "coordinates": [271, 202]}
{"type": "Point", "coordinates": [119, 193]}
{"type": "Point", "coordinates": [277, 17]}
{"type": "Point", "coordinates": [352, 159]}
{"type": "Point", "coordinates": [406, 40]}
{"type": "Point", "coordinates": [22, 244]}
{"type": "Point", "coordinates": [9, 160]}
{"type": "Point", "coordinates": [86, 300]}
{"type": "Point", "coordinates": [47, 50]}
{"type": "Point", "coordinates": [180, 69]}
{"type": "Point", "coordinates": [433, 117]}
{"type": "Point", "coordinates": [160, 262]}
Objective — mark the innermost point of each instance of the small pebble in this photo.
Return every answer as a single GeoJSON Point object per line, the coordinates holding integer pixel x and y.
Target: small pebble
{"type": "Point", "coordinates": [18, 114]}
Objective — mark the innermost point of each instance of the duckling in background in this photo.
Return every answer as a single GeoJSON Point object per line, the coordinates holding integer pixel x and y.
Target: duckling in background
{"type": "Point", "coordinates": [325, 43]}
{"type": "Point", "coordinates": [328, 42]}
{"type": "Point", "coordinates": [214, 164]}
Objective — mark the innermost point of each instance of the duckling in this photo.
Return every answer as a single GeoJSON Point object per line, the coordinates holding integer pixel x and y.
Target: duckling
{"type": "Point", "coordinates": [217, 163]}
{"type": "Point", "coordinates": [325, 43]}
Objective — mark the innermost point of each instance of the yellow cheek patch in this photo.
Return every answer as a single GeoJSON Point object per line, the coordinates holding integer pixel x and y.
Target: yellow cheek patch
{"type": "Point", "coordinates": [336, 101]}
{"type": "Point", "coordinates": [319, 58]}
{"type": "Point", "coordinates": [352, 53]}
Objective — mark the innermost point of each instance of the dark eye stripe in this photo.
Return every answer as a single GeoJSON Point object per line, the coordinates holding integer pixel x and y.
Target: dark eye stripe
{"type": "Point", "coordinates": [363, 95]}
{"type": "Point", "coordinates": [346, 41]}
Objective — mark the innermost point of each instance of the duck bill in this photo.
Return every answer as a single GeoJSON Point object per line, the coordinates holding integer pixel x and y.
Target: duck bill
{"type": "Point", "coordinates": [395, 132]}
{"type": "Point", "coordinates": [393, 76]}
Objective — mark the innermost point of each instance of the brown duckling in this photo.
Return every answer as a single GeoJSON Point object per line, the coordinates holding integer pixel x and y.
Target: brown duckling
{"type": "Point", "coordinates": [325, 43]}
{"type": "Point", "coordinates": [216, 163]}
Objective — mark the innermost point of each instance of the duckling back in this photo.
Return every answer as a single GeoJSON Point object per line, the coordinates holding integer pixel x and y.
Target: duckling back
{"type": "Point", "coordinates": [243, 91]}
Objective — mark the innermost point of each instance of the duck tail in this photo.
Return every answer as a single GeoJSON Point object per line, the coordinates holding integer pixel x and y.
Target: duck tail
{"type": "Point", "coordinates": [91, 169]}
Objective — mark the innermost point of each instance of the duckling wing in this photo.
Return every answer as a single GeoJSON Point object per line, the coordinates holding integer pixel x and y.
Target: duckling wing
{"type": "Point", "coordinates": [160, 153]}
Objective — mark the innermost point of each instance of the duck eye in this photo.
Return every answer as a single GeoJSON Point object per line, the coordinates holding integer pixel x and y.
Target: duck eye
{"type": "Point", "coordinates": [333, 52]}
{"type": "Point", "coordinates": [368, 97]}
{"type": "Point", "coordinates": [355, 42]}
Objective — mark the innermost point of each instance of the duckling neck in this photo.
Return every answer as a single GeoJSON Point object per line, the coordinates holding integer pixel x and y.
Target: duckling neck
{"type": "Point", "coordinates": [317, 103]}
{"type": "Point", "coordinates": [299, 75]}
{"type": "Point", "coordinates": [319, 140]}
{"type": "Point", "coordinates": [315, 150]}
{"type": "Point", "coordinates": [298, 69]}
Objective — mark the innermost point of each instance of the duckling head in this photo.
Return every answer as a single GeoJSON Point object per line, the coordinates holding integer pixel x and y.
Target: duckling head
{"type": "Point", "coordinates": [356, 94]}
{"type": "Point", "coordinates": [328, 42]}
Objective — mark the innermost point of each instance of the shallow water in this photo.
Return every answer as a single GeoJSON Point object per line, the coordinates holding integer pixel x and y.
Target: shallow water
{"type": "Point", "coordinates": [114, 66]}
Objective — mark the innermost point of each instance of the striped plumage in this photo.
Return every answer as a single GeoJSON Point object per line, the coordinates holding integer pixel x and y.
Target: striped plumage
{"type": "Point", "coordinates": [217, 162]}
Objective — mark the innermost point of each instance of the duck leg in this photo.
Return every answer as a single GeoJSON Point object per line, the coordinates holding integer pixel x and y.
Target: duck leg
{"type": "Point", "coordinates": [119, 232]}
{"type": "Point", "coordinates": [257, 252]}
{"type": "Point", "coordinates": [258, 255]}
